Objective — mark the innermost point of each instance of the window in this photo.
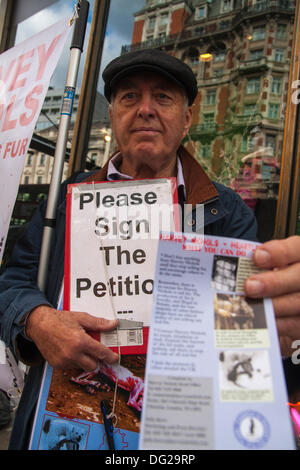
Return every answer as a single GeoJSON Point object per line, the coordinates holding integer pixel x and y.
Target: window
{"type": "Point", "coordinates": [244, 144]}
{"type": "Point", "coordinates": [219, 56]}
{"type": "Point", "coordinates": [256, 54]}
{"type": "Point", "coordinates": [279, 55]}
{"type": "Point", "coordinates": [273, 110]}
{"type": "Point", "coordinates": [209, 120]}
{"type": "Point", "coordinates": [164, 18]}
{"type": "Point", "coordinates": [271, 141]}
{"type": "Point", "coordinates": [253, 85]}
{"type": "Point", "coordinates": [42, 159]}
{"type": "Point", "coordinates": [226, 6]}
{"type": "Point", "coordinates": [152, 21]}
{"type": "Point", "coordinates": [29, 160]}
{"type": "Point", "coordinates": [39, 180]}
{"type": "Point", "coordinates": [93, 157]}
{"type": "Point", "coordinates": [210, 98]}
{"type": "Point", "coordinates": [276, 86]}
{"type": "Point", "coordinates": [200, 13]}
{"type": "Point", "coordinates": [258, 33]}
{"type": "Point", "coordinates": [205, 151]}
{"type": "Point", "coordinates": [26, 180]}
{"type": "Point", "coordinates": [217, 73]}
{"type": "Point", "coordinates": [281, 31]}
{"type": "Point", "coordinates": [250, 109]}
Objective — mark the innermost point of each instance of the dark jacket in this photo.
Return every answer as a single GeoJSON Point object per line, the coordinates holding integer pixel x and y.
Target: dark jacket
{"type": "Point", "coordinates": [225, 214]}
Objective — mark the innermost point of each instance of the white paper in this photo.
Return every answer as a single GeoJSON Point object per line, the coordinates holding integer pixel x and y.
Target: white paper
{"type": "Point", "coordinates": [214, 376]}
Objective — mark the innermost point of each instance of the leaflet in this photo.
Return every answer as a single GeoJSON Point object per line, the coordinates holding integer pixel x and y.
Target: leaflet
{"type": "Point", "coordinates": [214, 377]}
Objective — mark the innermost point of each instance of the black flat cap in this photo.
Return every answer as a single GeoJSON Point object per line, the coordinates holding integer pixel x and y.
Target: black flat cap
{"type": "Point", "coordinates": [153, 60]}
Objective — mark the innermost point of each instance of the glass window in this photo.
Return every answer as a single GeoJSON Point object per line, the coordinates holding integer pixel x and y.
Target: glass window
{"type": "Point", "coordinates": [210, 98]}
{"type": "Point", "coordinates": [152, 21]}
{"type": "Point", "coordinates": [209, 120]}
{"type": "Point", "coordinates": [253, 85]}
{"type": "Point", "coordinates": [205, 151]}
{"type": "Point", "coordinates": [42, 159]}
{"type": "Point", "coordinates": [249, 109]}
{"type": "Point", "coordinates": [200, 13]}
{"type": "Point", "coordinates": [217, 73]}
{"type": "Point", "coordinates": [276, 86]}
{"type": "Point", "coordinates": [271, 141]}
{"type": "Point", "coordinates": [219, 56]}
{"type": "Point", "coordinates": [256, 54]}
{"type": "Point", "coordinates": [279, 55]}
{"type": "Point", "coordinates": [281, 31]}
{"type": "Point", "coordinates": [273, 110]}
{"type": "Point", "coordinates": [258, 33]}
{"type": "Point", "coordinates": [164, 18]}
{"type": "Point", "coordinates": [226, 6]}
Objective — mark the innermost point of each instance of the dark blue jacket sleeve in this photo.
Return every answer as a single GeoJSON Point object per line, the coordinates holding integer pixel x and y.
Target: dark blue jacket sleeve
{"type": "Point", "coordinates": [19, 293]}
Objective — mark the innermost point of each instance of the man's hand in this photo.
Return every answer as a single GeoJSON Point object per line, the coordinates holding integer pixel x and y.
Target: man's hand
{"type": "Point", "coordinates": [282, 283]}
{"type": "Point", "coordinates": [62, 338]}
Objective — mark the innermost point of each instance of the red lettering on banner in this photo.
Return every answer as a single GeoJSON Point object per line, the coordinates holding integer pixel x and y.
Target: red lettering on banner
{"type": "Point", "coordinates": [31, 103]}
{"type": "Point", "coordinates": [20, 69]}
{"type": "Point", "coordinates": [7, 123]}
{"type": "Point", "coordinates": [15, 148]}
{"type": "Point", "coordinates": [2, 83]}
{"type": "Point", "coordinates": [45, 56]}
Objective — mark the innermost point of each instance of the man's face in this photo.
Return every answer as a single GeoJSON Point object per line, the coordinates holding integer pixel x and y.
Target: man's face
{"type": "Point", "coordinates": [150, 117]}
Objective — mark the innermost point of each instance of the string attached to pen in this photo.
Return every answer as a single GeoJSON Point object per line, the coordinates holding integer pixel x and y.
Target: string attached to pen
{"type": "Point", "coordinates": [111, 415]}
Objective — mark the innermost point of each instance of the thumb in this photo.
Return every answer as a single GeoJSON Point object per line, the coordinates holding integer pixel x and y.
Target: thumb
{"type": "Point", "coordinates": [92, 323]}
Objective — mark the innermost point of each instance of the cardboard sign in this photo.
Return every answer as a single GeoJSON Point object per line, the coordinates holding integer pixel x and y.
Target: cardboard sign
{"type": "Point", "coordinates": [112, 237]}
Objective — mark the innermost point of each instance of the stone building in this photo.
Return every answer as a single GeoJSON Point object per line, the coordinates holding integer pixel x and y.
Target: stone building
{"type": "Point", "coordinates": [240, 52]}
{"type": "Point", "coordinates": [38, 165]}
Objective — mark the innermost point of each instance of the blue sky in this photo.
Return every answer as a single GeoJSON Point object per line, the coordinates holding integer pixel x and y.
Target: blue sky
{"type": "Point", "coordinates": [119, 32]}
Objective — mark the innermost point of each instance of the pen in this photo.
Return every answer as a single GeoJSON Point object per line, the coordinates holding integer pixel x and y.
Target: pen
{"type": "Point", "coordinates": [109, 429]}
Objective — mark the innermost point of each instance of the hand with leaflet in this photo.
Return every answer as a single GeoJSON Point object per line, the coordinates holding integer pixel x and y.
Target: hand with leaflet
{"type": "Point", "coordinates": [281, 282]}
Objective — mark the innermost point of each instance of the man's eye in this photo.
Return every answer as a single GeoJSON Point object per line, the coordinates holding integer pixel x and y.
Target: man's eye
{"type": "Point", "coordinates": [129, 96]}
{"type": "Point", "coordinates": [163, 97]}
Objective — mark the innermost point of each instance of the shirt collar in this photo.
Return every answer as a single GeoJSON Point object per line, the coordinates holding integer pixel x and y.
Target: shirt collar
{"type": "Point", "coordinates": [113, 173]}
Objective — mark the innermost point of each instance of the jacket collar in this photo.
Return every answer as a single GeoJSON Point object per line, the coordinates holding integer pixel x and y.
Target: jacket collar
{"type": "Point", "coordinates": [199, 188]}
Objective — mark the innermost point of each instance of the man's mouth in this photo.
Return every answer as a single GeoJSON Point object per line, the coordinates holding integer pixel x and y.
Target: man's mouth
{"type": "Point", "coordinates": [146, 130]}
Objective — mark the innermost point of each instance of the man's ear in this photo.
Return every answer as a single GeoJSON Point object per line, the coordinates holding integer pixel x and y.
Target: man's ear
{"type": "Point", "coordinates": [110, 112]}
{"type": "Point", "coordinates": [188, 120]}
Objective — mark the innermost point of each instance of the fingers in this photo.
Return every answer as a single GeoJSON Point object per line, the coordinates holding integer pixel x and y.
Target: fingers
{"type": "Point", "coordinates": [278, 253]}
{"type": "Point", "coordinates": [274, 283]}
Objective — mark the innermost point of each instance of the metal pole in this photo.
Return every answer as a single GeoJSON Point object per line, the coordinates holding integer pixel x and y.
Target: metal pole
{"type": "Point", "coordinates": [66, 111]}
{"type": "Point", "coordinates": [89, 87]}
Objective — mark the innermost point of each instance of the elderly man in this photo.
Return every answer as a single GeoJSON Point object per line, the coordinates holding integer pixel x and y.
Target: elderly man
{"type": "Point", "coordinates": [151, 96]}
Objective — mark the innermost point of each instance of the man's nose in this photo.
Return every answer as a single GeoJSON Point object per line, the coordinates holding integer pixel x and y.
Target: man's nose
{"type": "Point", "coordinates": [146, 107]}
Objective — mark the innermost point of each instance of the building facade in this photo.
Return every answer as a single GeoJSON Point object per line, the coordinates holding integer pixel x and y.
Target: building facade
{"type": "Point", "coordinates": [240, 52]}
{"type": "Point", "coordinates": [38, 165]}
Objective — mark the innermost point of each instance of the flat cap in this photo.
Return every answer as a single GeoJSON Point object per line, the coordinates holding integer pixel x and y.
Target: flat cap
{"type": "Point", "coordinates": [153, 60]}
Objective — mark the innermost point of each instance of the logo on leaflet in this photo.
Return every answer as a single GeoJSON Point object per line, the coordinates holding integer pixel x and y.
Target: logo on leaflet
{"type": "Point", "coordinates": [252, 429]}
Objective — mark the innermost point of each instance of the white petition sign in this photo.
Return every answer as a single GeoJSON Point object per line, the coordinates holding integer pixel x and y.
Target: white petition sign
{"type": "Point", "coordinates": [25, 72]}
{"type": "Point", "coordinates": [114, 231]}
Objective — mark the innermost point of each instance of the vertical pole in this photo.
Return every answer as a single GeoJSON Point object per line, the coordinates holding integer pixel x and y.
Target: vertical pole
{"type": "Point", "coordinates": [89, 87]}
{"type": "Point", "coordinates": [66, 111]}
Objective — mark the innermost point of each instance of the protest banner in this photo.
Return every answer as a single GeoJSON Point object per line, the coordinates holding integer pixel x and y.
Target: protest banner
{"type": "Point", "coordinates": [25, 73]}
